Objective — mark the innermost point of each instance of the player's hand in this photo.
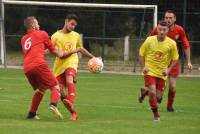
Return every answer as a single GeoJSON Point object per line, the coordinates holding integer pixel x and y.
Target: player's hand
{"type": "Point", "coordinates": [190, 66]}
{"type": "Point", "coordinates": [60, 52]}
{"type": "Point", "coordinates": [99, 58]}
{"type": "Point", "coordinates": [145, 70]}
{"type": "Point", "coordinates": [165, 72]}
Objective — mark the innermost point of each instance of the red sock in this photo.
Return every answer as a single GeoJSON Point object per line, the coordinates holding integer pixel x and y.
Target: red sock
{"type": "Point", "coordinates": [37, 97]}
{"type": "Point", "coordinates": [71, 92]}
{"type": "Point", "coordinates": [171, 97]}
{"type": "Point", "coordinates": [154, 107]}
{"type": "Point", "coordinates": [153, 103]}
{"type": "Point", "coordinates": [55, 95]}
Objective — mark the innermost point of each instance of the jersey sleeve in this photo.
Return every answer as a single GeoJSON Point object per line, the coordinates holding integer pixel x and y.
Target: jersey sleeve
{"type": "Point", "coordinates": [153, 32]}
{"type": "Point", "coordinates": [48, 42]}
{"type": "Point", "coordinates": [53, 38]}
{"type": "Point", "coordinates": [79, 42]}
{"type": "Point", "coordinates": [174, 52]}
{"type": "Point", "coordinates": [184, 38]}
{"type": "Point", "coordinates": [143, 48]}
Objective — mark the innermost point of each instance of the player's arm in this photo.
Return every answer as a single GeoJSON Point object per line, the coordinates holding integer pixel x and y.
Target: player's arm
{"type": "Point", "coordinates": [187, 55]}
{"type": "Point", "coordinates": [142, 60]}
{"type": "Point", "coordinates": [50, 46]}
{"type": "Point", "coordinates": [145, 70]}
{"type": "Point", "coordinates": [69, 53]}
{"type": "Point", "coordinates": [53, 49]}
{"type": "Point", "coordinates": [85, 52]}
{"type": "Point", "coordinates": [167, 70]}
{"type": "Point", "coordinates": [142, 52]}
{"type": "Point", "coordinates": [186, 47]}
{"type": "Point", "coordinates": [174, 59]}
{"type": "Point", "coordinates": [82, 50]}
{"type": "Point", "coordinates": [63, 54]}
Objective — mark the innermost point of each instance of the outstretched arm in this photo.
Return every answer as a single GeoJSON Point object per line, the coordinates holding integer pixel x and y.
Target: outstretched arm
{"type": "Point", "coordinates": [85, 52]}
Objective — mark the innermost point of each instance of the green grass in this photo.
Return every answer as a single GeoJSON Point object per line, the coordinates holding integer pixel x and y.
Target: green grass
{"type": "Point", "coordinates": [106, 103]}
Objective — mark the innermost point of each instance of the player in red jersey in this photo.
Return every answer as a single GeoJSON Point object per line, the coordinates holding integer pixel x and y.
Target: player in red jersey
{"type": "Point", "coordinates": [36, 68]}
{"type": "Point", "coordinates": [176, 32]}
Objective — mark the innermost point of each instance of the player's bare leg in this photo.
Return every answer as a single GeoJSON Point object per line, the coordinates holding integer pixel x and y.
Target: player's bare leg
{"type": "Point", "coordinates": [143, 93]}
{"type": "Point", "coordinates": [159, 95]}
{"type": "Point", "coordinates": [153, 102]}
{"type": "Point", "coordinates": [171, 94]}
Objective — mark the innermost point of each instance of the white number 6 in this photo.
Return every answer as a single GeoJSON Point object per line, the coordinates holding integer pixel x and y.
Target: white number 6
{"type": "Point", "coordinates": [27, 44]}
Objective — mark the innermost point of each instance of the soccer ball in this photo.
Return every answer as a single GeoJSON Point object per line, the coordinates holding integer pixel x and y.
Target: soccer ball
{"type": "Point", "coordinates": [95, 65]}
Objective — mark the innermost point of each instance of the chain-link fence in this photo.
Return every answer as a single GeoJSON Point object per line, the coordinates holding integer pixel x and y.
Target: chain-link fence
{"type": "Point", "coordinates": [104, 32]}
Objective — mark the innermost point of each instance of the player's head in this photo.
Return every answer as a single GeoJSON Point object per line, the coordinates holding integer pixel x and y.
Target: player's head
{"type": "Point", "coordinates": [170, 17]}
{"type": "Point", "coordinates": [31, 23]}
{"type": "Point", "coordinates": [71, 22]}
{"type": "Point", "coordinates": [162, 29]}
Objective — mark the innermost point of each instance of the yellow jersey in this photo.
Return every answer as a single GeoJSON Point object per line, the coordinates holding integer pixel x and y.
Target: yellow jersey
{"type": "Point", "coordinates": [67, 42]}
{"type": "Point", "coordinates": [158, 55]}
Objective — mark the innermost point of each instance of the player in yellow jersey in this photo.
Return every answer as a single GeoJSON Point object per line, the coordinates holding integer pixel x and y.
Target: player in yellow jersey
{"type": "Point", "coordinates": [65, 69]}
{"type": "Point", "coordinates": [158, 54]}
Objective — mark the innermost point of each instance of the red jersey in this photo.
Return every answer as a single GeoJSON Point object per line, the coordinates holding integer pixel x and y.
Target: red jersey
{"type": "Point", "coordinates": [33, 45]}
{"type": "Point", "coordinates": [177, 33]}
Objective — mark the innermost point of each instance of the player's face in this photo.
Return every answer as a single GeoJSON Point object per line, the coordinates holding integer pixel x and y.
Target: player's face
{"type": "Point", "coordinates": [71, 24]}
{"type": "Point", "coordinates": [162, 31]}
{"type": "Point", "coordinates": [36, 26]}
{"type": "Point", "coordinates": [170, 18]}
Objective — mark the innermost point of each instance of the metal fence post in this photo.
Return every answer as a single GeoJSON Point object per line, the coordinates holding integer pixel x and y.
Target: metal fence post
{"type": "Point", "coordinates": [126, 48]}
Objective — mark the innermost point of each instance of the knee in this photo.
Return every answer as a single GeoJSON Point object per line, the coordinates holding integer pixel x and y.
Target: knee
{"type": "Point", "coordinates": [42, 91]}
{"type": "Point", "coordinates": [152, 93]}
{"type": "Point", "coordinates": [158, 97]}
{"type": "Point", "coordinates": [172, 87]}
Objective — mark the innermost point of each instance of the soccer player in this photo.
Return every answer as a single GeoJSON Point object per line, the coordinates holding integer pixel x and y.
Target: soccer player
{"type": "Point", "coordinates": [36, 68]}
{"type": "Point", "coordinates": [65, 69]}
{"type": "Point", "coordinates": [176, 32]}
{"type": "Point", "coordinates": [158, 54]}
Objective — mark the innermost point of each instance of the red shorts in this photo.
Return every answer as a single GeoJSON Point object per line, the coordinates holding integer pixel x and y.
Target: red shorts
{"type": "Point", "coordinates": [41, 77]}
{"type": "Point", "coordinates": [175, 70]}
{"type": "Point", "coordinates": [151, 80]}
{"type": "Point", "coordinates": [62, 78]}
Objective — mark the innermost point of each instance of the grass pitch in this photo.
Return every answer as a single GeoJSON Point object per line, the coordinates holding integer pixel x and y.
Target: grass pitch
{"type": "Point", "coordinates": [106, 103]}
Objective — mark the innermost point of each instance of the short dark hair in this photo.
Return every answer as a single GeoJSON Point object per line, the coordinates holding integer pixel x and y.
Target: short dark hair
{"type": "Point", "coordinates": [72, 16]}
{"type": "Point", "coordinates": [29, 21]}
{"type": "Point", "coordinates": [163, 23]}
{"type": "Point", "coordinates": [170, 11]}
